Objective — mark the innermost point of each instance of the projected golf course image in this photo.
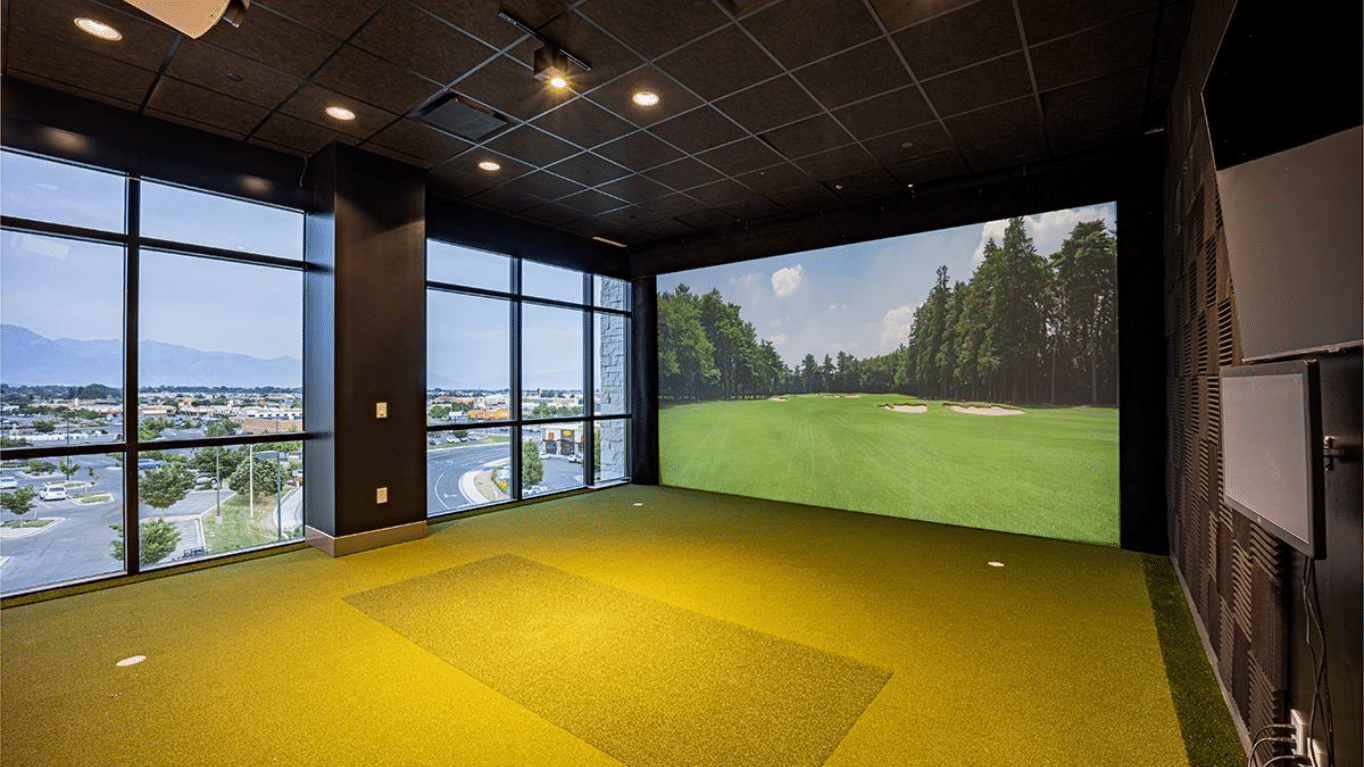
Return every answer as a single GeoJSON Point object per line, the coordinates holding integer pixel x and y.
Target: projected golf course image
{"type": "Point", "coordinates": [863, 378]}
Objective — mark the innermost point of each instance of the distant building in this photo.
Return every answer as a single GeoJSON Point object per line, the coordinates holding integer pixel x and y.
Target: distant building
{"type": "Point", "coordinates": [268, 425]}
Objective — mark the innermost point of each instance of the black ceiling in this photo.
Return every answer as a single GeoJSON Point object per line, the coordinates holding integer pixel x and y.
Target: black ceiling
{"type": "Point", "coordinates": [768, 107]}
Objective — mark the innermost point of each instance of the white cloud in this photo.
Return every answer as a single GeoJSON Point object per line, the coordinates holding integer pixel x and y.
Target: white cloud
{"type": "Point", "coordinates": [778, 340]}
{"type": "Point", "coordinates": [833, 307]}
{"type": "Point", "coordinates": [786, 281]}
{"type": "Point", "coordinates": [992, 230]}
{"type": "Point", "coordinates": [895, 326]}
{"type": "Point", "coordinates": [1047, 230]}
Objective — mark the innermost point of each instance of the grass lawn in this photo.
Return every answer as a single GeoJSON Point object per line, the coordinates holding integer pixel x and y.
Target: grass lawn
{"type": "Point", "coordinates": [18, 523]}
{"type": "Point", "coordinates": [240, 529]}
{"type": "Point", "coordinates": [1049, 472]}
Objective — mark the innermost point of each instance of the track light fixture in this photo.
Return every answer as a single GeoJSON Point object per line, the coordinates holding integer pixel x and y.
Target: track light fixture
{"type": "Point", "coordinates": [194, 17]}
{"type": "Point", "coordinates": [551, 62]}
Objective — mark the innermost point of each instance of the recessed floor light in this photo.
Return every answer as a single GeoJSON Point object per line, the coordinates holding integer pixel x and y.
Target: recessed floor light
{"type": "Point", "coordinates": [131, 661]}
{"type": "Point", "coordinates": [645, 98]}
{"type": "Point", "coordinates": [99, 29]}
{"type": "Point", "coordinates": [340, 113]}
{"type": "Point", "coordinates": [995, 564]}
{"type": "Point", "coordinates": [489, 166]}
{"type": "Point", "coordinates": [639, 504]}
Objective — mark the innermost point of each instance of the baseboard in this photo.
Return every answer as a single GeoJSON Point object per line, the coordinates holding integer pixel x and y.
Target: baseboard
{"type": "Point", "coordinates": [340, 546]}
{"type": "Point", "coordinates": [1227, 697]}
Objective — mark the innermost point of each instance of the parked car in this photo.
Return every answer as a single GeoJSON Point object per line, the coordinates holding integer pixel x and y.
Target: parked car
{"type": "Point", "coordinates": [53, 492]}
{"type": "Point", "coordinates": [8, 483]}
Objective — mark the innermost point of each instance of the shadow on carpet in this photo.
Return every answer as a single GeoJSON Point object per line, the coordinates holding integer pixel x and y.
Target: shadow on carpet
{"type": "Point", "coordinates": [644, 682]}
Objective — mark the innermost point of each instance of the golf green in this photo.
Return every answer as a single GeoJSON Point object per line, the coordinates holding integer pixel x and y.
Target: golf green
{"type": "Point", "coordinates": [1051, 472]}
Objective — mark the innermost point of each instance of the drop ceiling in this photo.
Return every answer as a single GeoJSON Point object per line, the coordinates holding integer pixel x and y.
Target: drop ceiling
{"type": "Point", "coordinates": [768, 108]}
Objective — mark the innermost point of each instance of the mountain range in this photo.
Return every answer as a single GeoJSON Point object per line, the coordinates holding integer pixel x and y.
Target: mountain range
{"type": "Point", "coordinates": [28, 359]}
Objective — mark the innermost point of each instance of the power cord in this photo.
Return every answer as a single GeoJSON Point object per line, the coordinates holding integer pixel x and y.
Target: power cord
{"type": "Point", "coordinates": [1250, 758]}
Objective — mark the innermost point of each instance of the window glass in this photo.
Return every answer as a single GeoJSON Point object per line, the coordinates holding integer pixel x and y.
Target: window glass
{"type": "Point", "coordinates": [610, 354]}
{"type": "Point", "coordinates": [45, 190]}
{"type": "Point", "coordinates": [221, 348]}
{"type": "Point", "coordinates": [545, 281]}
{"type": "Point", "coordinates": [83, 494]}
{"type": "Point", "coordinates": [552, 458]}
{"type": "Point", "coordinates": [61, 312]}
{"type": "Point", "coordinates": [455, 265]}
{"type": "Point", "coordinates": [216, 500]}
{"type": "Point", "coordinates": [551, 361]}
{"type": "Point", "coordinates": [466, 468]}
{"type": "Point", "coordinates": [610, 293]}
{"type": "Point", "coordinates": [184, 215]}
{"type": "Point", "coordinates": [468, 352]}
{"type": "Point", "coordinates": [609, 450]}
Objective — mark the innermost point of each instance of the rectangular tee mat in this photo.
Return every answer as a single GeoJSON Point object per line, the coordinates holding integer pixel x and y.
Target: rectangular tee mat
{"type": "Point", "coordinates": [647, 683]}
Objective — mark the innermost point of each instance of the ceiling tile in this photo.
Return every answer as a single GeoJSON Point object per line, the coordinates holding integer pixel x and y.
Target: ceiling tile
{"type": "Point", "coordinates": [753, 208]}
{"type": "Point", "coordinates": [740, 157]}
{"type": "Point", "coordinates": [144, 43]}
{"type": "Point", "coordinates": [1078, 133]}
{"type": "Point", "coordinates": [786, 29]}
{"type": "Point", "coordinates": [1002, 79]}
{"type": "Point", "coordinates": [961, 38]}
{"type": "Point", "coordinates": [999, 135]}
{"type": "Point", "coordinates": [1093, 53]}
{"type": "Point", "coordinates": [553, 213]}
{"type": "Point", "coordinates": [668, 227]}
{"type": "Point", "coordinates": [275, 41]}
{"type": "Point", "coordinates": [1095, 97]}
{"type": "Point", "coordinates": [698, 130]}
{"type": "Point", "coordinates": [311, 102]}
{"type": "Point", "coordinates": [588, 169]}
{"type": "Point", "coordinates": [592, 202]}
{"type": "Point", "coordinates": [512, 89]}
{"type": "Point", "coordinates": [775, 178]}
{"type": "Point", "coordinates": [479, 17]}
{"type": "Point", "coordinates": [836, 163]}
{"type": "Point", "coordinates": [707, 219]}
{"type": "Point", "coordinates": [374, 81]}
{"type": "Point", "coordinates": [656, 29]}
{"type": "Point", "coordinates": [414, 40]}
{"type": "Point", "coordinates": [617, 97]}
{"type": "Point", "coordinates": [896, 14]}
{"type": "Point", "coordinates": [504, 200]}
{"type": "Point", "coordinates": [77, 67]}
{"type": "Point", "coordinates": [64, 87]}
{"type": "Point", "coordinates": [544, 185]}
{"type": "Point", "coordinates": [675, 205]}
{"type": "Point", "coordinates": [1045, 20]}
{"type": "Point", "coordinates": [722, 192]}
{"type": "Point", "coordinates": [907, 144]}
{"type": "Point", "coordinates": [298, 135]}
{"type": "Point", "coordinates": [338, 18]}
{"type": "Point", "coordinates": [868, 183]}
{"type": "Point", "coordinates": [809, 196]}
{"type": "Point", "coordinates": [461, 175]}
{"type": "Point", "coordinates": [402, 157]}
{"type": "Point", "coordinates": [639, 151]}
{"type": "Point", "coordinates": [683, 174]}
{"type": "Point", "coordinates": [720, 64]}
{"type": "Point", "coordinates": [580, 37]}
{"type": "Point", "coordinates": [633, 216]}
{"type": "Point", "coordinates": [765, 106]}
{"type": "Point", "coordinates": [531, 145]}
{"type": "Point", "coordinates": [885, 113]}
{"type": "Point", "coordinates": [208, 67]}
{"type": "Point", "coordinates": [635, 188]}
{"type": "Point", "coordinates": [583, 123]}
{"type": "Point", "coordinates": [807, 137]}
{"type": "Point", "coordinates": [182, 99]}
{"type": "Point", "coordinates": [418, 140]}
{"type": "Point", "coordinates": [855, 75]}
{"type": "Point", "coordinates": [929, 168]}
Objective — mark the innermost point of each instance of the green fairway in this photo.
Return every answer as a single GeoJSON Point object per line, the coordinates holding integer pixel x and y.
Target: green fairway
{"type": "Point", "coordinates": [1051, 471]}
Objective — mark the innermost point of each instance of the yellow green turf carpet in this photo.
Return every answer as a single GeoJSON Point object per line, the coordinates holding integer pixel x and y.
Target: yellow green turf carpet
{"type": "Point", "coordinates": [1051, 659]}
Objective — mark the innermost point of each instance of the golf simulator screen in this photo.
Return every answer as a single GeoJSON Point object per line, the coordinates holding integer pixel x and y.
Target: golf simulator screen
{"type": "Point", "coordinates": [967, 376]}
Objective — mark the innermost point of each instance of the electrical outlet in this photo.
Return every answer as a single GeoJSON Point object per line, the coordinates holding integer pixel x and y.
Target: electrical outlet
{"type": "Point", "coordinates": [381, 410]}
{"type": "Point", "coordinates": [1299, 722]}
{"type": "Point", "coordinates": [381, 495]}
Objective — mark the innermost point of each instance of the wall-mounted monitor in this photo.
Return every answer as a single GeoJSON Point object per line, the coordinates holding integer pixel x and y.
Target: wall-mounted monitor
{"type": "Point", "coordinates": [1271, 449]}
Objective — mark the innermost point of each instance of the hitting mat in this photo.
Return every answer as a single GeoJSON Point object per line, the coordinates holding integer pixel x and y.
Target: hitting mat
{"type": "Point", "coordinates": [649, 684]}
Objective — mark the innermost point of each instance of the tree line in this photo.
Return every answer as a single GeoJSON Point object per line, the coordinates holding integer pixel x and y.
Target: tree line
{"type": "Point", "coordinates": [1024, 328]}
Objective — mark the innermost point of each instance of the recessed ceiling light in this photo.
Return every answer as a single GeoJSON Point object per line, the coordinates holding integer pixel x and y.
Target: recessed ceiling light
{"type": "Point", "coordinates": [340, 113]}
{"type": "Point", "coordinates": [99, 29]}
{"type": "Point", "coordinates": [645, 98]}
{"type": "Point", "coordinates": [995, 564]}
{"type": "Point", "coordinates": [489, 165]}
{"type": "Point", "coordinates": [131, 661]}
{"type": "Point", "coordinates": [558, 82]}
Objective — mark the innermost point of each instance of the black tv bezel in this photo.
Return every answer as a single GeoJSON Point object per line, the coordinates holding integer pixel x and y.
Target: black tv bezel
{"type": "Point", "coordinates": [1307, 370]}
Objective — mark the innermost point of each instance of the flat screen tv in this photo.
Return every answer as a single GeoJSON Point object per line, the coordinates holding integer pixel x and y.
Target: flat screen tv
{"type": "Point", "coordinates": [1271, 449]}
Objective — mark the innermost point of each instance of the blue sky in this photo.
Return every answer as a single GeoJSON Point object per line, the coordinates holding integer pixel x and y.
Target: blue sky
{"type": "Point", "coordinates": [860, 298]}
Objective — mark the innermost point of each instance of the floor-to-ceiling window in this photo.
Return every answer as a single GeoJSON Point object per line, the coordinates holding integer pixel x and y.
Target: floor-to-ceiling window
{"type": "Point", "coordinates": [151, 350]}
{"type": "Point", "coordinates": [526, 378]}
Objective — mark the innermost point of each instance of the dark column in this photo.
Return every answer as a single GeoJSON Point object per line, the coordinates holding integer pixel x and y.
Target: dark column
{"type": "Point", "coordinates": [364, 303]}
{"type": "Point", "coordinates": [644, 381]}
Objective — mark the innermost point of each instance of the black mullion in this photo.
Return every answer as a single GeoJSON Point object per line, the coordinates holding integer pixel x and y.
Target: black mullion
{"type": "Point", "coordinates": [450, 287]}
{"type": "Point", "coordinates": [64, 230]}
{"type": "Point", "coordinates": [221, 254]}
{"type": "Point", "coordinates": [514, 395]}
{"type": "Point", "coordinates": [132, 530]}
{"type": "Point", "coordinates": [589, 388]}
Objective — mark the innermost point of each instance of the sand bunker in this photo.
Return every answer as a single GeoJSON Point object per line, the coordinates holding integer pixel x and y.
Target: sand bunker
{"type": "Point", "coordinates": [992, 410]}
{"type": "Point", "coordinates": [776, 399]}
{"type": "Point", "coordinates": [907, 408]}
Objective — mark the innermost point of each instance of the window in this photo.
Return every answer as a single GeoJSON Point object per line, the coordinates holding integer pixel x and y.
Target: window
{"type": "Point", "coordinates": [194, 322]}
{"type": "Point", "coordinates": [526, 388]}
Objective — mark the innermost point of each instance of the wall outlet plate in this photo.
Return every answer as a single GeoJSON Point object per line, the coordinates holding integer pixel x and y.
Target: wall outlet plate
{"type": "Point", "coordinates": [381, 410]}
{"type": "Point", "coordinates": [381, 495]}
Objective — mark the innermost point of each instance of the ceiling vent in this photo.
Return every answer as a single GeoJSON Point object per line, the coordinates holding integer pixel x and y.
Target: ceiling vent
{"type": "Point", "coordinates": [458, 116]}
